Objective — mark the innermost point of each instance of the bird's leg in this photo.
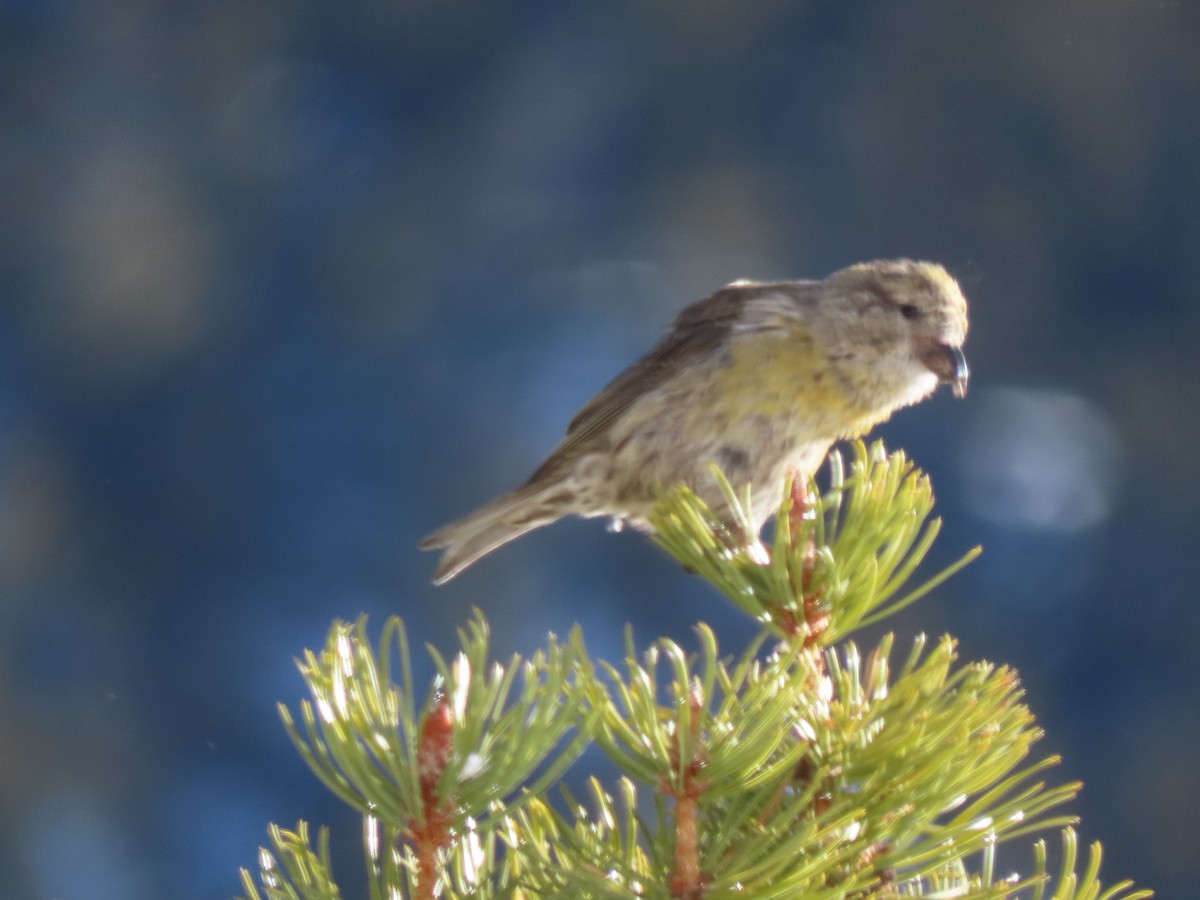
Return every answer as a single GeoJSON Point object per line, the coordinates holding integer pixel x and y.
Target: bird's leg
{"type": "Point", "coordinates": [737, 540]}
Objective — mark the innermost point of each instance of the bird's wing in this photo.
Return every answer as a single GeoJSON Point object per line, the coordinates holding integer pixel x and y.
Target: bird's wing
{"type": "Point", "coordinates": [697, 331]}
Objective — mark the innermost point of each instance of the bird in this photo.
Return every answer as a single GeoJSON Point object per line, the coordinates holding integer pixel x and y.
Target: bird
{"type": "Point", "coordinates": [760, 379]}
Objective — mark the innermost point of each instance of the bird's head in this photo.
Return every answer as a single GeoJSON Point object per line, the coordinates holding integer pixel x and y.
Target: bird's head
{"type": "Point", "coordinates": [914, 310]}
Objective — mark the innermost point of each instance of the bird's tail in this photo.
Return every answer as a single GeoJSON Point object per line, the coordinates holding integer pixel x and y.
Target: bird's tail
{"type": "Point", "coordinates": [504, 519]}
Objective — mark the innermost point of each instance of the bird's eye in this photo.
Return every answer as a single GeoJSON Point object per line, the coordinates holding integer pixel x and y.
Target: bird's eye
{"type": "Point", "coordinates": [910, 311]}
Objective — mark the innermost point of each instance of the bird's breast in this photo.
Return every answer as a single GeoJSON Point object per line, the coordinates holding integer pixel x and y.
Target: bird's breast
{"type": "Point", "coordinates": [782, 373]}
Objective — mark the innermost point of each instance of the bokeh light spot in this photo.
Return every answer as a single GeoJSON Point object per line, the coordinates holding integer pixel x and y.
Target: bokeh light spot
{"type": "Point", "coordinates": [1040, 460]}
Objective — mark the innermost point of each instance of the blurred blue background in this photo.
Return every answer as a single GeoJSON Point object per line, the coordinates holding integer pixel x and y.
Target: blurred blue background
{"type": "Point", "coordinates": [285, 285]}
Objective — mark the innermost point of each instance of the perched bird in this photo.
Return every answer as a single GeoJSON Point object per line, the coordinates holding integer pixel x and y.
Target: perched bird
{"type": "Point", "coordinates": [759, 378]}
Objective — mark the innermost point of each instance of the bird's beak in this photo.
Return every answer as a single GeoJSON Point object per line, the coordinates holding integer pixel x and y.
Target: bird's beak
{"type": "Point", "coordinates": [949, 364]}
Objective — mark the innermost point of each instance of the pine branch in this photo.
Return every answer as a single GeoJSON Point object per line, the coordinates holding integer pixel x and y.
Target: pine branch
{"type": "Point", "coordinates": [799, 767]}
{"type": "Point", "coordinates": [848, 552]}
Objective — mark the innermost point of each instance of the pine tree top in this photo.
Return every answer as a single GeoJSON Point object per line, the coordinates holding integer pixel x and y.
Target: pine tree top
{"type": "Point", "coordinates": [799, 767]}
